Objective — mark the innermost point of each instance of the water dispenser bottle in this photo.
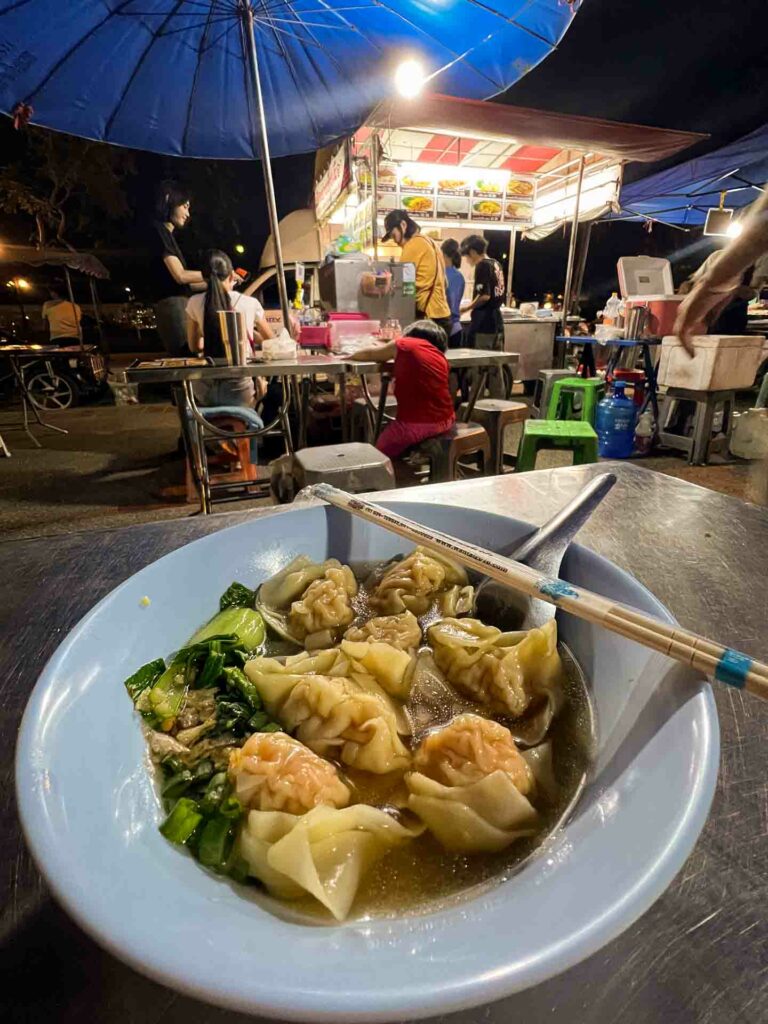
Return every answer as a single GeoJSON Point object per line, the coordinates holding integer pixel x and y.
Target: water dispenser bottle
{"type": "Point", "coordinates": [615, 424]}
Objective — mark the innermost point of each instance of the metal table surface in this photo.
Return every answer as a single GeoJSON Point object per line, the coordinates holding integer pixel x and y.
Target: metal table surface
{"type": "Point", "coordinates": [303, 365]}
{"type": "Point", "coordinates": [698, 956]}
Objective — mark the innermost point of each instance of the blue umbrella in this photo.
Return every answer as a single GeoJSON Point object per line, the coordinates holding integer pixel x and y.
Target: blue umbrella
{"type": "Point", "coordinates": [246, 78]}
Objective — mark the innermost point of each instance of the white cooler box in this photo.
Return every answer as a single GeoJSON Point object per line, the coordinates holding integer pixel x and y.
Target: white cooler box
{"type": "Point", "coordinates": [721, 362]}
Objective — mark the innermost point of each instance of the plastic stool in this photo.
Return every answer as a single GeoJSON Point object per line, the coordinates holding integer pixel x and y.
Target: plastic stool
{"type": "Point", "coordinates": [571, 435]}
{"type": "Point", "coordinates": [562, 402]}
{"type": "Point", "coordinates": [495, 415]}
{"type": "Point", "coordinates": [353, 467]}
{"type": "Point", "coordinates": [444, 451]}
{"type": "Point", "coordinates": [543, 391]}
{"type": "Point", "coordinates": [636, 379]}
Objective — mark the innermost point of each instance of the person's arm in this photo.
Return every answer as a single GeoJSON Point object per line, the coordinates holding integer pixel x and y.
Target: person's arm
{"type": "Point", "coordinates": [182, 276]}
{"type": "Point", "coordinates": [724, 276]}
{"type": "Point", "coordinates": [376, 353]}
{"type": "Point", "coordinates": [194, 336]}
{"type": "Point", "coordinates": [262, 328]}
{"type": "Point", "coordinates": [482, 280]}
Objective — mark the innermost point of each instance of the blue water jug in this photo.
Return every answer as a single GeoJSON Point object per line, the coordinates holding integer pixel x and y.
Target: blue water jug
{"type": "Point", "coordinates": [615, 424]}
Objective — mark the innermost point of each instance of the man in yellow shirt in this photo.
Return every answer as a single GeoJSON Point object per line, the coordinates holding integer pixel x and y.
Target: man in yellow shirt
{"type": "Point", "coordinates": [425, 254]}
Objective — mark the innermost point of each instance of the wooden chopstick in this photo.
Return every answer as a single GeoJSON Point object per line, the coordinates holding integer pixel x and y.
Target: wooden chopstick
{"type": "Point", "coordinates": [707, 656]}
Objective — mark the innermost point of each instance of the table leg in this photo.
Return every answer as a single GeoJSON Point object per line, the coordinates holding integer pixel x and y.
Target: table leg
{"type": "Point", "coordinates": [304, 386]}
{"type": "Point", "coordinates": [285, 423]}
{"type": "Point", "coordinates": [382, 406]}
{"type": "Point", "coordinates": [344, 409]}
{"type": "Point", "coordinates": [193, 443]}
{"type": "Point", "coordinates": [477, 390]}
{"type": "Point", "coordinates": [588, 365]}
{"type": "Point", "coordinates": [651, 377]}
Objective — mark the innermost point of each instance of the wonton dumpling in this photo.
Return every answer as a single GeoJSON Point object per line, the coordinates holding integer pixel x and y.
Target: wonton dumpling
{"type": "Point", "coordinates": [507, 672]}
{"type": "Point", "coordinates": [483, 817]}
{"type": "Point", "coordinates": [401, 631]}
{"type": "Point", "coordinates": [273, 772]}
{"type": "Point", "coordinates": [325, 853]}
{"type": "Point", "coordinates": [468, 749]}
{"type": "Point", "coordinates": [309, 602]}
{"type": "Point", "coordinates": [375, 667]}
{"type": "Point", "coordinates": [336, 717]}
{"type": "Point", "coordinates": [413, 583]}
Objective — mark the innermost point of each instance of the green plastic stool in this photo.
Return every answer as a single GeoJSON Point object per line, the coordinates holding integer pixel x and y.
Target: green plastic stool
{"type": "Point", "coordinates": [572, 435]}
{"type": "Point", "coordinates": [562, 404]}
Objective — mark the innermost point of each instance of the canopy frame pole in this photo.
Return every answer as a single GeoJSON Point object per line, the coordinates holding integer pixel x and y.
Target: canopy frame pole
{"type": "Point", "coordinates": [97, 312]}
{"type": "Point", "coordinates": [511, 264]}
{"type": "Point", "coordinates": [72, 300]}
{"type": "Point", "coordinates": [567, 290]}
{"type": "Point", "coordinates": [581, 263]}
{"type": "Point", "coordinates": [375, 193]}
{"type": "Point", "coordinates": [252, 61]}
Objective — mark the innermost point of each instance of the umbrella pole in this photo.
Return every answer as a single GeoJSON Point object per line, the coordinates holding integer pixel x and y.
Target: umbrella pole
{"type": "Point", "coordinates": [511, 264]}
{"type": "Point", "coordinates": [252, 61]}
{"type": "Point", "coordinates": [72, 300]}
{"type": "Point", "coordinates": [567, 291]}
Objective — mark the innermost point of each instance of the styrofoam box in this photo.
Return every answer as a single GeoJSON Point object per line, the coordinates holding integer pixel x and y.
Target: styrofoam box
{"type": "Point", "coordinates": [721, 362]}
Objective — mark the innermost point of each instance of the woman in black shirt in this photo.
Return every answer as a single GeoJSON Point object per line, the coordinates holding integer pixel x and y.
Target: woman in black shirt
{"type": "Point", "coordinates": [172, 282]}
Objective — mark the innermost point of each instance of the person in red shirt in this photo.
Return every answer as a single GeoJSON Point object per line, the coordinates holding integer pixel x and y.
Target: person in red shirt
{"type": "Point", "coordinates": [424, 404]}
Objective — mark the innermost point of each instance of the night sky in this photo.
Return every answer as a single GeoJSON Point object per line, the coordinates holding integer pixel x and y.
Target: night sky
{"type": "Point", "coordinates": [695, 66]}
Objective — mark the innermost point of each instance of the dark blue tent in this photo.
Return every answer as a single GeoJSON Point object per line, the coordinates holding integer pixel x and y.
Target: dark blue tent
{"type": "Point", "coordinates": [683, 194]}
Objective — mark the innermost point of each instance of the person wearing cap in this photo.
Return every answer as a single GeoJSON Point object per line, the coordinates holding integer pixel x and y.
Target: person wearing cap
{"type": "Point", "coordinates": [425, 254]}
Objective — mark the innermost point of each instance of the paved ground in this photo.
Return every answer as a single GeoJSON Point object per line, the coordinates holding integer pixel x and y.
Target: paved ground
{"type": "Point", "coordinates": [119, 465]}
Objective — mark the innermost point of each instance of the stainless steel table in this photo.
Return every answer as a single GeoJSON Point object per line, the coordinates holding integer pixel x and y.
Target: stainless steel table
{"type": "Point", "coordinates": [699, 956]}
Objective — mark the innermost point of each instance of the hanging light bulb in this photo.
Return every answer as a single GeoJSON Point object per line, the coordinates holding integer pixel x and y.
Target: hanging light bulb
{"type": "Point", "coordinates": [734, 229]}
{"type": "Point", "coordinates": [410, 78]}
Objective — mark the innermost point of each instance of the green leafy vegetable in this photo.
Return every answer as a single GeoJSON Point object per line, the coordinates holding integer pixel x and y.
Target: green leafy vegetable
{"type": "Point", "coordinates": [237, 596]}
{"type": "Point", "coordinates": [212, 666]}
{"type": "Point", "coordinates": [215, 792]}
{"type": "Point", "coordinates": [167, 695]}
{"type": "Point", "coordinates": [216, 842]}
{"type": "Point", "coordinates": [144, 677]}
{"type": "Point", "coordinates": [237, 680]}
{"type": "Point", "coordinates": [246, 624]}
{"type": "Point", "coordinates": [180, 825]}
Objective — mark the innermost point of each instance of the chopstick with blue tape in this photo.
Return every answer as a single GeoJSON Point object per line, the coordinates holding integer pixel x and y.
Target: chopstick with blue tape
{"type": "Point", "coordinates": [723, 663]}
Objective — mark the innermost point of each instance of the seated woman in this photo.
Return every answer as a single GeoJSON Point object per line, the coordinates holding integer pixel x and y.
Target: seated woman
{"type": "Point", "coordinates": [204, 332]}
{"type": "Point", "coordinates": [424, 406]}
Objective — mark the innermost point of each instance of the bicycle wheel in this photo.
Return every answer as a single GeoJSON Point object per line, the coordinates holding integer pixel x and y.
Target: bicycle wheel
{"type": "Point", "coordinates": [51, 391]}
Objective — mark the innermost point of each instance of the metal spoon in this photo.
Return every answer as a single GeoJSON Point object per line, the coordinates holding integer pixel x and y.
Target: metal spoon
{"type": "Point", "coordinates": [543, 550]}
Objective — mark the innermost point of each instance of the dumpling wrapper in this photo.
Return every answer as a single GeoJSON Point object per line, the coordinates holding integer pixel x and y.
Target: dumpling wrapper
{"type": "Point", "coordinates": [337, 718]}
{"type": "Point", "coordinates": [416, 581]}
{"type": "Point", "coordinates": [483, 817]}
{"type": "Point", "coordinates": [509, 673]}
{"type": "Point", "coordinates": [402, 631]}
{"type": "Point", "coordinates": [383, 670]}
{"type": "Point", "coordinates": [325, 853]}
{"type": "Point", "coordinates": [308, 602]}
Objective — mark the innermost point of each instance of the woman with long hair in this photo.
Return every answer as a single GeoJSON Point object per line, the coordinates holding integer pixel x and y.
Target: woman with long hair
{"type": "Point", "coordinates": [172, 281]}
{"type": "Point", "coordinates": [204, 331]}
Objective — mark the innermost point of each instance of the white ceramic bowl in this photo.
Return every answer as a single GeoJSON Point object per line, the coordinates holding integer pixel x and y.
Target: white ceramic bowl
{"type": "Point", "coordinates": [90, 812]}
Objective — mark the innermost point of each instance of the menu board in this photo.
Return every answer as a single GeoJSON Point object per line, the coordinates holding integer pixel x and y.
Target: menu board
{"type": "Point", "coordinates": [432, 192]}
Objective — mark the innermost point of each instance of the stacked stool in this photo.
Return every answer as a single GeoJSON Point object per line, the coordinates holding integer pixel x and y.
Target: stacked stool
{"type": "Point", "coordinates": [563, 435]}
{"type": "Point", "coordinates": [574, 398]}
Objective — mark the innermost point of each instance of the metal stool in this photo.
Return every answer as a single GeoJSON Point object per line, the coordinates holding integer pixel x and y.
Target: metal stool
{"type": "Point", "coordinates": [495, 415]}
{"type": "Point", "coordinates": [229, 472]}
{"type": "Point", "coordinates": [700, 444]}
{"type": "Point", "coordinates": [543, 391]}
{"type": "Point", "coordinates": [364, 418]}
{"type": "Point", "coordinates": [563, 404]}
{"type": "Point", "coordinates": [444, 452]}
{"type": "Point", "coordinates": [572, 435]}
{"type": "Point", "coordinates": [354, 467]}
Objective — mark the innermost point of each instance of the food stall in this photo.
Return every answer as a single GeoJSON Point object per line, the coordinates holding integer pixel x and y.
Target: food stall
{"type": "Point", "coordinates": [470, 166]}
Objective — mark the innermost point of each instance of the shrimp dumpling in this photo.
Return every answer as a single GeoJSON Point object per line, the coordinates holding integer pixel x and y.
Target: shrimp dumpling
{"type": "Point", "coordinates": [414, 583]}
{"type": "Point", "coordinates": [325, 853]}
{"type": "Point", "coordinates": [274, 772]}
{"type": "Point", "coordinates": [402, 631]}
{"type": "Point", "coordinates": [509, 673]}
{"type": "Point", "coordinates": [470, 786]}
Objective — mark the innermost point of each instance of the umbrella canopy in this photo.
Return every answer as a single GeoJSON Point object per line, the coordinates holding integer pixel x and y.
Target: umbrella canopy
{"type": "Point", "coordinates": [84, 262]}
{"type": "Point", "coordinates": [170, 76]}
{"type": "Point", "coordinates": [683, 194]}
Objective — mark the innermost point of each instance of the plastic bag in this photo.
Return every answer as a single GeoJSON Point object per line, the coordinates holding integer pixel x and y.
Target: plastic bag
{"type": "Point", "coordinates": [281, 347]}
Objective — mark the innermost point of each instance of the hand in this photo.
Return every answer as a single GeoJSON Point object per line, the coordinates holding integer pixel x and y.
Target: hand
{"type": "Point", "coordinates": [693, 311]}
